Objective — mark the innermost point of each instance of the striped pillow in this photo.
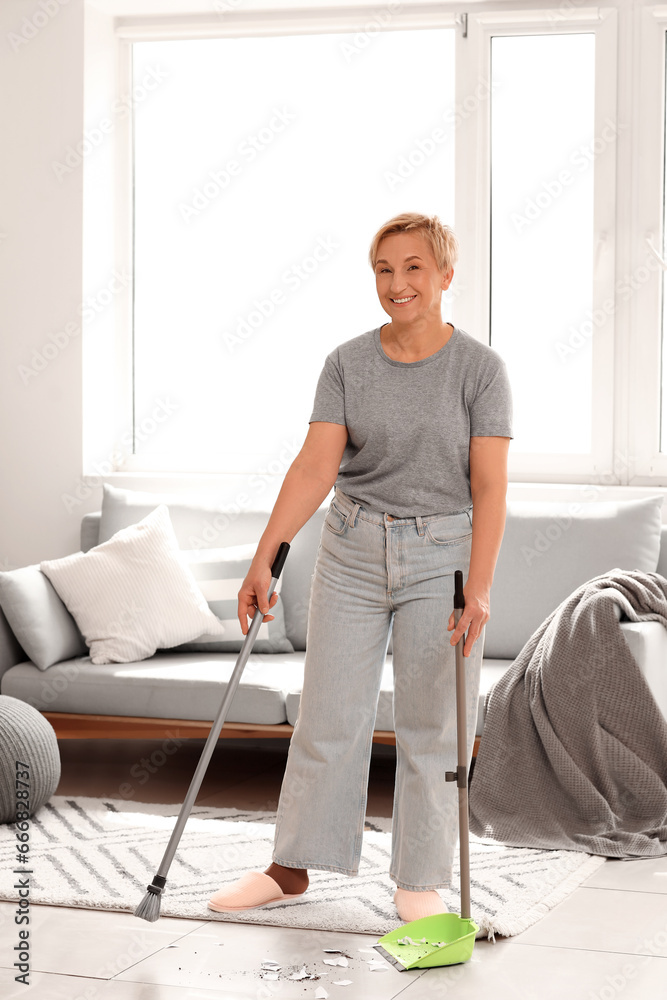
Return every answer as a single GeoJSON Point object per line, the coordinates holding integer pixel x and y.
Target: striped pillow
{"type": "Point", "coordinates": [134, 593]}
{"type": "Point", "coordinates": [220, 573]}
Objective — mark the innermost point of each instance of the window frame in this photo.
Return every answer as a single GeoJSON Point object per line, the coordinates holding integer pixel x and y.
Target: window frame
{"type": "Point", "coordinates": [647, 465]}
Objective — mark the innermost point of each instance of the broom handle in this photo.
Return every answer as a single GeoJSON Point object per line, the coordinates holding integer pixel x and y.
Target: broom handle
{"type": "Point", "coordinates": [209, 746]}
{"type": "Point", "coordinates": [462, 744]}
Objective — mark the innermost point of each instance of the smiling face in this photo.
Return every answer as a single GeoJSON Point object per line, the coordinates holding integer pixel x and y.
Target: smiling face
{"type": "Point", "coordinates": [408, 282]}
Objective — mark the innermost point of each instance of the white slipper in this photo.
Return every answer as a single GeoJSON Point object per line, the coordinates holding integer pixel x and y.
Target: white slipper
{"type": "Point", "coordinates": [250, 891]}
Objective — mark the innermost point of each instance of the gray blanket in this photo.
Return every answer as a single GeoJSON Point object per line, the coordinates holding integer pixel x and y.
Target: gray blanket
{"type": "Point", "coordinates": [574, 750]}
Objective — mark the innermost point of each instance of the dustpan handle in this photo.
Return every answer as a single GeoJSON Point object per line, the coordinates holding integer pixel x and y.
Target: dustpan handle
{"type": "Point", "coordinates": [462, 746]}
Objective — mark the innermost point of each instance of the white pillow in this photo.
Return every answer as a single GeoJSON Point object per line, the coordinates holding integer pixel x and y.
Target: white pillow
{"type": "Point", "coordinates": [133, 593]}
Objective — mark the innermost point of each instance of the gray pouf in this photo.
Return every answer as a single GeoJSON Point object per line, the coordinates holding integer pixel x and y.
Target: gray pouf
{"type": "Point", "coordinates": [26, 736]}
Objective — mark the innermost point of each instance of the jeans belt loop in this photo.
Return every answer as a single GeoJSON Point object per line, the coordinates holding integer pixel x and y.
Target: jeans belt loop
{"type": "Point", "coordinates": [420, 525]}
{"type": "Point", "coordinates": [352, 516]}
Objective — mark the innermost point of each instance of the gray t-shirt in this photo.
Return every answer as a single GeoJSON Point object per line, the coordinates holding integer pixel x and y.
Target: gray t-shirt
{"type": "Point", "coordinates": [410, 423]}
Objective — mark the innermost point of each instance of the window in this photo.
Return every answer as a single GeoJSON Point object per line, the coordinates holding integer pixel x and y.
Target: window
{"type": "Point", "coordinates": [536, 213]}
{"type": "Point", "coordinates": [543, 151]}
{"type": "Point", "coordinates": [262, 168]}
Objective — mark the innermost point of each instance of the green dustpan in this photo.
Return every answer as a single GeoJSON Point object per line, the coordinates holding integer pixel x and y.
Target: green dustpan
{"type": "Point", "coordinates": [445, 938]}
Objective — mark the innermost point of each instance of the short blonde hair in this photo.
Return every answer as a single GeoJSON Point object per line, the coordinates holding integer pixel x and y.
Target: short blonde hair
{"type": "Point", "coordinates": [440, 237]}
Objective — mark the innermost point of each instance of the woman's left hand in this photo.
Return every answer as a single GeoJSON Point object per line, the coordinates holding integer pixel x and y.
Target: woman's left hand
{"type": "Point", "coordinates": [473, 618]}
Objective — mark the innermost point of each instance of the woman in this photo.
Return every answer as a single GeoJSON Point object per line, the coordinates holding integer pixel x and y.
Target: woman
{"type": "Point", "coordinates": [411, 423]}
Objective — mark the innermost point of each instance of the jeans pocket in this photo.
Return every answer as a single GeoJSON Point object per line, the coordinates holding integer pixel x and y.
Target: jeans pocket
{"type": "Point", "coordinates": [449, 529]}
{"type": "Point", "coordinates": [335, 519]}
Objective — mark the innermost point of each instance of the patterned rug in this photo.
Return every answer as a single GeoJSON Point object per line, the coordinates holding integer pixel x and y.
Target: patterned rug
{"type": "Point", "coordinates": [102, 853]}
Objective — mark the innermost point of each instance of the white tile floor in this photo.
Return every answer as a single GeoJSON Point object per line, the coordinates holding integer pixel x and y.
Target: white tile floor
{"type": "Point", "coordinates": [607, 940]}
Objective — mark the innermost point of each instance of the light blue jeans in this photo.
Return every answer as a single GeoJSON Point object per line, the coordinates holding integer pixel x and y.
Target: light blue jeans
{"type": "Point", "coordinates": [376, 575]}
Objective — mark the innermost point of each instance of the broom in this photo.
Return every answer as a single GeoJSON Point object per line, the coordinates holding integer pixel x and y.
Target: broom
{"type": "Point", "coordinates": [149, 907]}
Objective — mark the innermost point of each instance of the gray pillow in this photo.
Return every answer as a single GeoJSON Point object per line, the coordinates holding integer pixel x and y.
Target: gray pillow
{"type": "Point", "coordinates": [202, 526]}
{"type": "Point", "coordinates": [198, 522]}
{"type": "Point", "coordinates": [551, 548]}
{"type": "Point", "coordinates": [38, 618]}
{"type": "Point", "coordinates": [220, 573]}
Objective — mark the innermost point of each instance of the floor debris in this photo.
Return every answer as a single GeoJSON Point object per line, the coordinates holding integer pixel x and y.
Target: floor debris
{"type": "Point", "coordinates": [274, 971]}
{"type": "Point", "coordinates": [302, 974]}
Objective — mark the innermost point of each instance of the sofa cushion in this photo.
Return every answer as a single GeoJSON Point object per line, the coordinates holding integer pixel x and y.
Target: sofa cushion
{"type": "Point", "coordinates": [662, 558]}
{"type": "Point", "coordinates": [134, 593]}
{"type": "Point", "coordinates": [219, 574]}
{"type": "Point", "coordinates": [38, 618]}
{"type": "Point", "coordinates": [550, 548]}
{"type": "Point", "coordinates": [167, 686]}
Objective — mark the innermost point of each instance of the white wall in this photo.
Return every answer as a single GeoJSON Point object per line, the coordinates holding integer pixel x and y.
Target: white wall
{"type": "Point", "coordinates": [42, 288]}
{"type": "Point", "coordinates": [40, 263]}
{"type": "Point", "coordinates": [43, 282]}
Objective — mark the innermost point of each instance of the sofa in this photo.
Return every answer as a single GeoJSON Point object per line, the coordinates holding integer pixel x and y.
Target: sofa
{"type": "Point", "coordinates": [549, 549]}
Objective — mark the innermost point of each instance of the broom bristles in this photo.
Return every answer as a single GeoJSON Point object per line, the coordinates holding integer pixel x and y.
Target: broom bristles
{"type": "Point", "coordinates": [149, 907]}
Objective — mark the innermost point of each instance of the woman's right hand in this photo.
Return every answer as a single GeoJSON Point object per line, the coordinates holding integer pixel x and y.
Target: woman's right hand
{"type": "Point", "coordinates": [253, 595]}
